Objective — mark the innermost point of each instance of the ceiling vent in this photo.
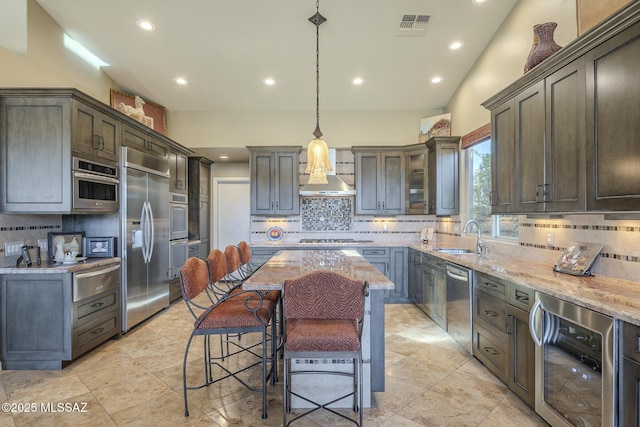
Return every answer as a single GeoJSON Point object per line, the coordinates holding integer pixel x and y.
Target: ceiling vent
{"type": "Point", "coordinates": [413, 24]}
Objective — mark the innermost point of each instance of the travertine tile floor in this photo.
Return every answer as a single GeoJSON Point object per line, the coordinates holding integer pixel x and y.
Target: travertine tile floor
{"type": "Point", "coordinates": [137, 381]}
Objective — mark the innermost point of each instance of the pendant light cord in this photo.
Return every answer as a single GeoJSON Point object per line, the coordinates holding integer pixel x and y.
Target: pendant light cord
{"type": "Point", "coordinates": [318, 133]}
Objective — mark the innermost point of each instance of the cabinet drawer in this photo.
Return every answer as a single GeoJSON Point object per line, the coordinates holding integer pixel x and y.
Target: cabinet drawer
{"type": "Point", "coordinates": [490, 309]}
{"type": "Point", "coordinates": [90, 308]}
{"type": "Point", "coordinates": [521, 296]}
{"type": "Point", "coordinates": [491, 350]}
{"type": "Point", "coordinates": [383, 252]}
{"type": "Point", "coordinates": [630, 341]}
{"type": "Point", "coordinates": [95, 332]}
{"type": "Point", "coordinates": [493, 285]}
{"type": "Point", "coordinates": [435, 261]}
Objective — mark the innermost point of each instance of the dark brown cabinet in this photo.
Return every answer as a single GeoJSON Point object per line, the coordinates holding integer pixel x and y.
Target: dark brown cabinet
{"type": "Point", "coordinates": [275, 180]}
{"type": "Point", "coordinates": [501, 337]}
{"type": "Point", "coordinates": [199, 200]}
{"type": "Point", "coordinates": [94, 133]}
{"type": "Point", "coordinates": [178, 169]}
{"type": "Point", "coordinates": [143, 141]}
{"type": "Point", "coordinates": [443, 195]}
{"type": "Point", "coordinates": [416, 179]}
{"type": "Point", "coordinates": [564, 136]}
{"type": "Point", "coordinates": [380, 181]}
{"type": "Point", "coordinates": [613, 123]}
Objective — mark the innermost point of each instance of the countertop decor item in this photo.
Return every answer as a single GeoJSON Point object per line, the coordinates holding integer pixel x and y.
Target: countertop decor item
{"type": "Point", "coordinates": [68, 240]}
{"type": "Point", "coordinates": [275, 233]}
{"type": "Point", "coordinates": [578, 258]}
{"type": "Point", "coordinates": [149, 114]}
{"type": "Point", "coordinates": [99, 247]}
{"type": "Point", "coordinates": [543, 45]}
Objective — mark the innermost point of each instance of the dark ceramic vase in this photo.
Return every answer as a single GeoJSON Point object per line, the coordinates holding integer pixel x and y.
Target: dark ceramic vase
{"type": "Point", "coordinates": [543, 45]}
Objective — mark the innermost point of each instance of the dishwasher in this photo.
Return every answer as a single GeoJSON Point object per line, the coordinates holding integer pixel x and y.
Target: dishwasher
{"type": "Point", "coordinates": [459, 291]}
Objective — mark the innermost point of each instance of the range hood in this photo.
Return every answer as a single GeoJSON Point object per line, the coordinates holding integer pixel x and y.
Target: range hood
{"type": "Point", "coordinates": [334, 187]}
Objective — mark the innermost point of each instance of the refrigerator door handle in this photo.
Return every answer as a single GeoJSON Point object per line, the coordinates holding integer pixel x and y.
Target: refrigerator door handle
{"type": "Point", "coordinates": [144, 220]}
{"type": "Point", "coordinates": [152, 231]}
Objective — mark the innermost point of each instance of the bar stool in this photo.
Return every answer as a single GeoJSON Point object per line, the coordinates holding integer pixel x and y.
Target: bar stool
{"type": "Point", "coordinates": [243, 312]}
{"type": "Point", "coordinates": [323, 320]}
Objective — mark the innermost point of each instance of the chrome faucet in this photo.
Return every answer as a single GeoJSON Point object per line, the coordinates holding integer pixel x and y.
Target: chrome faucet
{"type": "Point", "coordinates": [479, 242]}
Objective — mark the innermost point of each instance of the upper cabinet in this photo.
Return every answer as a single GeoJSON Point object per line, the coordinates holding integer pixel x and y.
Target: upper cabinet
{"type": "Point", "coordinates": [416, 179]}
{"type": "Point", "coordinates": [178, 169]}
{"type": "Point", "coordinates": [443, 195]}
{"type": "Point", "coordinates": [44, 129]}
{"type": "Point", "coordinates": [613, 122]}
{"type": "Point", "coordinates": [564, 136]}
{"type": "Point", "coordinates": [275, 180]}
{"type": "Point", "coordinates": [199, 199]}
{"type": "Point", "coordinates": [380, 180]}
{"type": "Point", "coordinates": [94, 132]}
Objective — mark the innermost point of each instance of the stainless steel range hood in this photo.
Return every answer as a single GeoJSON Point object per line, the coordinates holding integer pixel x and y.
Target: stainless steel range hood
{"type": "Point", "coordinates": [334, 187]}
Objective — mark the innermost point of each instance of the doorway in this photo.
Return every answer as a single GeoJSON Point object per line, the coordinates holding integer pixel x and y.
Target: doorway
{"type": "Point", "coordinates": [231, 211]}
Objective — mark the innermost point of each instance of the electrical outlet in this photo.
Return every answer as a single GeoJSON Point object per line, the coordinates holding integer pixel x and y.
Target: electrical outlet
{"type": "Point", "coordinates": [13, 248]}
{"type": "Point", "coordinates": [550, 238]}
{"type": "Point", "coordinates": [43, 244]}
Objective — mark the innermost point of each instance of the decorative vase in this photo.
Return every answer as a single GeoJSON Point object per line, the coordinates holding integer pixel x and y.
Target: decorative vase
{"type": "Point", "coordinates": [543, 45]}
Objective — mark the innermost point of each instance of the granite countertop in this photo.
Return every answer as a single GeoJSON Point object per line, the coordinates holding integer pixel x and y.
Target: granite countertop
{"type": "Point", "coordinates": [290, 264]}
{"type": "Point", "coordinates": [610, 296]}
{"type": "Point", "coordinates": [57, 267]}
{"type": "Point", "coordinates": [616, 298]}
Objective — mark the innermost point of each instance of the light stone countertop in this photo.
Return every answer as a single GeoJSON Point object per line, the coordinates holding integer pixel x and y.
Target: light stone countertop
{"type": "Point", "coordinates": [292, 263]}
{"type": "Point", "coordinates": [613, 297]}
{"type": "Point", "coordinates": [48, 267]}
{"type": "Point", "coordinates": [616, 298]}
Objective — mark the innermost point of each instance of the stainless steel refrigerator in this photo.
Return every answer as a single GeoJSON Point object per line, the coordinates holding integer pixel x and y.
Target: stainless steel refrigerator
{"type": "Point", "coordinates": [145, 239]}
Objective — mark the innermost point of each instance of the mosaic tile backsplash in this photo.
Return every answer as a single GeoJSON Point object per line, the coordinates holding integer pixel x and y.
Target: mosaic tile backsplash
{"type": "Point", "coordinates": [326, 213]}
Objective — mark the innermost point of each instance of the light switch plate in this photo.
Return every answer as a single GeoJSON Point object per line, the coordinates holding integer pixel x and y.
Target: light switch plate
{"type": "Point", "coordinates": [13, 248]}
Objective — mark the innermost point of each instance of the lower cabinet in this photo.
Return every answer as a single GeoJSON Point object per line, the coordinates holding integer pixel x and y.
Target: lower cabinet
{"type": "Point", "coordinates": [501, 338]}
{"type": "Point", "coordinates": [42, 328]}
{"type": "Point", "coordinates": [629, 375]}
{"type": "Point", "coordinates": [392, 262]}
{"type": "Point", "coordinates": [434, 288]}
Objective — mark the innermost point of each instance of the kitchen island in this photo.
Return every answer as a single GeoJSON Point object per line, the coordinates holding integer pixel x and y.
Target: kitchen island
{"type": "Point", "coordinates": [293, 263]}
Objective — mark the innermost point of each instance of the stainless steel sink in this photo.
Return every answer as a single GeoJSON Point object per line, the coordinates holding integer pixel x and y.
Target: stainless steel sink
{"type": "Point", "coordinates": [455, 251]}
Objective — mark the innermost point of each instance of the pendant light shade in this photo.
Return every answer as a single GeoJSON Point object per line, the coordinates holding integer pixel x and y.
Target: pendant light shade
{"type": "Point", "coordinates": [318, 162]}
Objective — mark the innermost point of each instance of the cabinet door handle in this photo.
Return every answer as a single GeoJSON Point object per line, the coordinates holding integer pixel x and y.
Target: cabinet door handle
{"type": "Point", "coordinates": [383, 206]}
{"type": "Point", "coordinates": [378, 205]}
{"type": "Point", "coordinates": [492, 198]}
{"type": "Point", "coordinates": [489, 285]}
{"type": "Point", "coordinates": [492, 351]}
{"type": "Point", "coordinates": [490, 313]}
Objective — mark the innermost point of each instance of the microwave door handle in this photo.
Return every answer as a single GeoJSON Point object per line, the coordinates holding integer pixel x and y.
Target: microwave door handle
{"type": "Point", "coordinates": [152, 230]}
{"type": "Point", "coordinates": [535, 319]}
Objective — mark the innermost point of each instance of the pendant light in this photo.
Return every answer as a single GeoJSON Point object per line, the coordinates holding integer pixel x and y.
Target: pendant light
{"type": "Point", "coordinates": [318, 163]}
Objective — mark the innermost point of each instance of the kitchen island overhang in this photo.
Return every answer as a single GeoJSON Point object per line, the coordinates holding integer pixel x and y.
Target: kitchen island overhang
{"type": "Point", "coordinates": [289, 264]}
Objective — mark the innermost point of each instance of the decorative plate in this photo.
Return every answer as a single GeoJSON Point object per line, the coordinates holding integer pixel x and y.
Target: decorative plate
{"type": "Point", "coordinates": [275, 233]}
{"type": "Point", "coordinates": [73, 261]}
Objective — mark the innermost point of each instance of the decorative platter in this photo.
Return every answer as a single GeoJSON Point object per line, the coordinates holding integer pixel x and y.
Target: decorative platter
{"type": "Point", "coordinates": [73, 261]}
{"type": "Point", "coordinates": [275, 233]}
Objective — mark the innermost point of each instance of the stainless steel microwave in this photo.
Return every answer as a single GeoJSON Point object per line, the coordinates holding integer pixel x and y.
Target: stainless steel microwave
{"type": "Point", "coordinates": [95, 186]}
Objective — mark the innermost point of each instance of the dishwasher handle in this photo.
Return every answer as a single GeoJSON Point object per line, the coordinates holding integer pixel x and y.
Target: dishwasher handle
{"type": "Point", "coordinates": [534, 322]}
{"type": "Point", "coordinates": [96, 272]}
{"type": "Point", "coordinates": [457, 274]}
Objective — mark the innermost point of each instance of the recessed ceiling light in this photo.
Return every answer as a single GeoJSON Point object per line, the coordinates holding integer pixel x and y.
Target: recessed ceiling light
{"type": "Point", "coordinates": [478, 1]}
{"type": "Point", "coordinates": [357, 81]}
{"type": "Point", "coordinates": [181, 81]}
{"type": "Point", "coordinates": [455, 45]}
{"type": "Point", "coordinates": [269, 81]}
{"type": "Point", "coordinates": [224, 157]}
{"type": "Point", "coordinates": [145, 25]}
{"type": "Point", "coordinates": [436, 79]}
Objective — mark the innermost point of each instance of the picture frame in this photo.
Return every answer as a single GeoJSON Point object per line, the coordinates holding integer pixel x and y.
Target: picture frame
{"type": "Point", "coordinates": [65, 238]}
{"type": "Point", "coordinates": [578, 259]}
{"type": "Point", "coordinates": [149, 114]}
{"type": "Point", "coordinates": [99, 247]}
{"type": "Point", "coordinates": [591, 12]}
{"type": "Point", "coordinates": [439, 125]}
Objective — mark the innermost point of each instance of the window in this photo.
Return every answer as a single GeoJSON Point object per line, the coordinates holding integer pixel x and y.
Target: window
{"type": "Point", "coordinates": [479, 166]}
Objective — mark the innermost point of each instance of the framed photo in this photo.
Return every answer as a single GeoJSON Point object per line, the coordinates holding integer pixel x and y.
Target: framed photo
{"type": "Point", "coordinates": [146, 112]}
{"type": "Point", "coordinates": [439, 125]}
{"type": "Point", "coordinates": [99, 247]}
{"type": "Point", "coordinates": [592, 12]}
{"type": "Point", "coordinates": [68, 241]}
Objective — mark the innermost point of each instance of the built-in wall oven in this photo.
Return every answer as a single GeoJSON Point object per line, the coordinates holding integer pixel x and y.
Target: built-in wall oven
{"type": "Point", "coordinates": [95, 186]}
{"type": "Point", "coordinates": [179, 216]}
{"type": "Point", "coordinates": [575, 363]}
